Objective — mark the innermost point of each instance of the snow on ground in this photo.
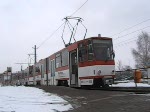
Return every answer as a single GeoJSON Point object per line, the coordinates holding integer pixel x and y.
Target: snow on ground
{"type": "Point", "coordinates": [130, 84]}
{"type": "Point", "coordinates": [29, 99]}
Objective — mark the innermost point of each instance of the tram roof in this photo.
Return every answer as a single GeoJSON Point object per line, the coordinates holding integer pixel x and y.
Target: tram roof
{"type": "Point", "coordinates": [75, 45]}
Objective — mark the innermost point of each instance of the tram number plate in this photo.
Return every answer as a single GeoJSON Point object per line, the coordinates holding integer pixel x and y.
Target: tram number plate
{"type": "Point", "coordinates": [86, 81]}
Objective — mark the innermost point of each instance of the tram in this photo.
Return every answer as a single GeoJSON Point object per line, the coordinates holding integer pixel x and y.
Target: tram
{"type": "Point", "coordinates": [88, 62]}
{"type": "Point", "coordinates": [85, 63]}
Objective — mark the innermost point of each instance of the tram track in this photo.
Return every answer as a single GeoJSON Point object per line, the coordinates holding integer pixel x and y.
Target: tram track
{"type": "Point", "coordinates": [120, 89]}
{"type": "Point", "coordinates": [100, 99]}
{"type": "Point", "coordinates": [140, 90]}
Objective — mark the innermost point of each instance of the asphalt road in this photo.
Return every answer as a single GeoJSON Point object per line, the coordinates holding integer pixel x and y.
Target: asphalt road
{"type": "Point", "coordinates": [101, 101]}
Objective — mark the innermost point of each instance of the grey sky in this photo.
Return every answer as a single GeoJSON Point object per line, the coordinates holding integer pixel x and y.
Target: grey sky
{"type": "Point", "coordinates": [25, 23]}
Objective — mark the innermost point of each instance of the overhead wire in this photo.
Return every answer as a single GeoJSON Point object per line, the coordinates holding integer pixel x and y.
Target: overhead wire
{"type": "Point", "coordinates": [61, 25]}
{"type": "Point", "coordinates": [51, 35]}
{"type": "Point", "coordinates": [124, 41]}
{"type": "Point", "coordinates": [122, 44]}
{"type": "Point", "coordinates": [127, 41]}
{"type": "Point", "coordinates": [131, 32]}
{"type": "Point", "coordinates": [79, 8]}
{"type": "Point", "coordinates": [130, 27]}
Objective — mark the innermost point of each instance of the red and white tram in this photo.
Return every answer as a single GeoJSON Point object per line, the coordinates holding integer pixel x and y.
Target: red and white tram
{"type": "Point", "coordinates": [88, 62]}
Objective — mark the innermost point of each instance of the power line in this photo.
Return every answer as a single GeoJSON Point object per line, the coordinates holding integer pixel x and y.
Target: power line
{"type": "Point", "coordinates": [79, 8]}
{"type": "Point", "coordinates": [130, 27]}
{"type": "Point", "coordinates": [50, 36]}
{"type": "Point", "coordinates": [126, 40]}
{"type": "Point", "coordinates": [126, 43]}
{"type": "Point", "coordinates": [131, 32]}
{"type": "Point", "coordinates": [61, 25]}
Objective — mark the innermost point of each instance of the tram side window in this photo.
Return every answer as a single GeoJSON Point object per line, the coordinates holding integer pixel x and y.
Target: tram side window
{"type": "Point", "coordinates": [26, 74]}
{"type": "Point", "coordinates": [82, 53]}
{"type": "Point", "coordinates": [42, 70]}
{"type": "Point", "coordinates": [49, 61]}
{"type": "Point", "coordinates": [58, 60]}
{"type": "Point", "coordinates": [30, 71]}
{"type": "Point", "coordinates": [37, 69]}
{"type": "Point", "coordinates": [52, 67]}
{"type": "Point", "coordinates": [47, 65]}
{"type": "Point", "coordinates": [65, 58]}
{"type": "Point", "coordinates": [44, 66]}
{"type": "Point", "coordinates": [90, 50]}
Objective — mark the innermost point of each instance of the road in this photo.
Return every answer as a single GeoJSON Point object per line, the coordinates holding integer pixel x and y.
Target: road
{"type": "Point", "coordinates": [101, 101]}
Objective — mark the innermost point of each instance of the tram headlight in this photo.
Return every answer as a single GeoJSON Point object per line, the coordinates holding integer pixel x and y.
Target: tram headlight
{"type": "Point", "coordinates": [113, 71]}
{"type": "Point", "coordinates": [99, 72]}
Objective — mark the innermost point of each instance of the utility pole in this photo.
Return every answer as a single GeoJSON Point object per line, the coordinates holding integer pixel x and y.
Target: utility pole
{"type": "Point", "coordinates": [35, 54]}
{"type": "Point", "coordinates": [35, 60]}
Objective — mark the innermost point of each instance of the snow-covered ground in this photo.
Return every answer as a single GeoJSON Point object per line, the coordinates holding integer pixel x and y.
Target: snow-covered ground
{"type": "Point", "coordinates": [29, 99]}
{"type": "Point", "coordinates": [130, 84]}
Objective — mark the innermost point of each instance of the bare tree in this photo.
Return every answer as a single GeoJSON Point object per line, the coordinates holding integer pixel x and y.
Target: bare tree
{"type": "Point", "coordinates": [122, 67]}
{"type": "Point", "coordinates": [142, 52]}
{"type": "Point", "coordinates": [126, 68]}
{"type": "Point", "coordinates": [124, 72]}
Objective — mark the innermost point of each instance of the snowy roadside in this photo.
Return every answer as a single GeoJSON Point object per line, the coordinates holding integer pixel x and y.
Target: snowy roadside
{"type": "Point", "coordinates": [129, 84]}
{"type": "Point", "coordinates": [29, 99]}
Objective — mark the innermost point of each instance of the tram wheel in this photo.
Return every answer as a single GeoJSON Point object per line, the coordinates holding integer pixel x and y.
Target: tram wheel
{"type": "Point", "coordinates": [106, 86]}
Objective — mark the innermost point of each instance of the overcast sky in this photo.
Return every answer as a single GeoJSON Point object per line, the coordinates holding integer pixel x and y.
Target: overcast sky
{"type": "Point", "coordinates": [25, 23]}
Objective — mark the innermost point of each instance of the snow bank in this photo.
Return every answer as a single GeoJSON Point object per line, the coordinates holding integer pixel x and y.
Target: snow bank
{"type": "Point", "coordinates": [29, 99]}
{"type": "Point", "coordinates": [130, 84]}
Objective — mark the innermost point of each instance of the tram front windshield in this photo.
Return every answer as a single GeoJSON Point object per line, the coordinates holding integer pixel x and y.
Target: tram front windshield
{"type": "Point", "coordinates": [103, 49]}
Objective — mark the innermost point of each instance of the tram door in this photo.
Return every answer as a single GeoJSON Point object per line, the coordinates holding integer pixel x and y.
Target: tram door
{"type": "Point", "coordinates": [73, 68]}
{"type": "Point", "coordinates": [52, 72]}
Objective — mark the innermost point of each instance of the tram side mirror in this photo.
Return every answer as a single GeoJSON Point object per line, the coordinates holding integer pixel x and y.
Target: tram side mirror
{"type": "Point", "coordinates": [113, 54]}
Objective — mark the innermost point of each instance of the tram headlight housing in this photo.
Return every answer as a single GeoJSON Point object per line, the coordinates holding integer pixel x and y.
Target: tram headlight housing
{"type": "Point", "coordinates": [113, 71]}
{"type": "Point", "coordinates": [99, 72]}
